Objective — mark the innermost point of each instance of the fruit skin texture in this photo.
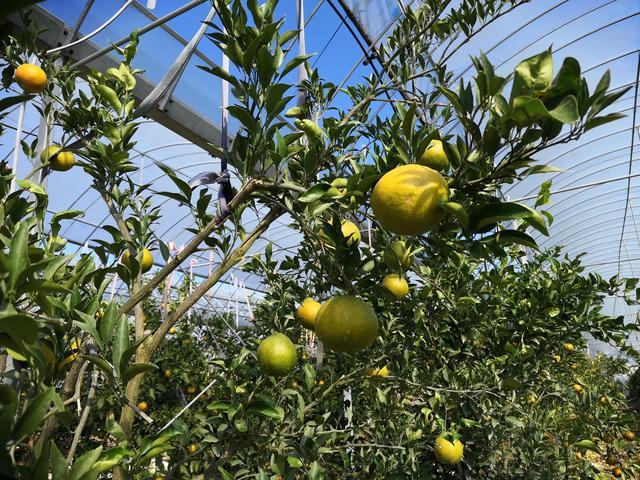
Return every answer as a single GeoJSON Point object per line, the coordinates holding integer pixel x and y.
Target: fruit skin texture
{"type": "Point", "coordinates": [31, 78]}
{"type": "Point", "coordinates": [346, 324]}
{"type": "Point", "coordinates": [406, 200]}
{"type": "Point", "coordinates": [307, 312]}
{"type": "Point", "coordinates": [447, 452]}
{"type": "Point", "coordinates": [277, 355]}
{"type": "Point", "coordinates": [616, 472]}
{"type": "Point", "coordinates": [378, 372]}
{"type": "Point", "coordinates": [396, 285]}
{"type": "Point", "coordinates": [143, 406]}
{"type": "Point", "coordinates": [629, 435]}
{"type": "Point", "coordinates": [145, 264]}
{"type": "Point", "coordinates": [434, 156]}
{"type": "Point", "coordinates": [351, 232]}
{"type": "Point", "coordinates": [569, 347]}
{"type": "Point", "coordinates": [61, 162]}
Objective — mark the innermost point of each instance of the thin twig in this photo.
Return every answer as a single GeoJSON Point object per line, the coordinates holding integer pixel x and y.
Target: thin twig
{"type": "Point", "coordinates": [85, 415]}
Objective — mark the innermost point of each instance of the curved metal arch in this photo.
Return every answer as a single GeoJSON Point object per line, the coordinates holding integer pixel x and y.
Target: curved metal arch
{"type": "Point", "coordinates": [577, 147]}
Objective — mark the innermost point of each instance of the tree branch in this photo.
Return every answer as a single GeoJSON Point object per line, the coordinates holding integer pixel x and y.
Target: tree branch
{"type": "Point", "coordinates": [85, 415]}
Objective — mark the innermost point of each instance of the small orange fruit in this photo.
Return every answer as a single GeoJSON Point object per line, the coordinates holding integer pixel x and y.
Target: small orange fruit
{"type": "Point", "coordinates": [602, 401]}
{"type": "Point", "coordinates": [167, 373]}
{"type": "Point", "coordinates": [172, 330]}
{"type": "Point", "coordinates": [61, 162]}
{"type": "Point", "coordinates": [31, 78]}
{"type": "Point", "coordinates": [320, 382]}
{"type": "Point", "coordinates": [616, 472]}
{"type": "Point", "coordinates": [144, 406]}
{"type": "Point", "coordinates": [192, 448]}
{"type": "Point", "coordinates": [629, 435]}
{"type": "Point", "coordinates": [145, 264]}
{"type": "Point", "coordinates": [190, 390]}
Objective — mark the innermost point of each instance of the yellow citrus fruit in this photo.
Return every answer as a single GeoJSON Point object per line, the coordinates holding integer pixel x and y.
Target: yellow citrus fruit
{"type": "Point", "coordinates": [577, 388]}
{"type": "Point", "coordinates": [190, 390]}
{"type": "Point", "coordinates": [277, 355]}
{"type": "Point", "coordinates": [406, 200]}
{"type": "Point", "coordinates": [396, 254]}
{"type": "Point", "coordinates": [532, 399]}
{"type": "Point", "coordinates": [307, 312]}
{"type": "Point", "coordinates": [573, 366]}
{"type": "Point", "coordinates": [172, 330]}
{"type": "Point", "coordinates": [396, 285]}
{"type": "Point", "coordinates": [346, 324]}
{"type": "Point", "coordinates": [167, 373]}
{"type": "Point", "coordinates": [434, 156]}
{"type": "Point", "coordinates": [351, 232]}
{"type": "Point", "coordinates": [61, 162]}
{"type": "Point", "coordinates": [578, 456]}
{"type": "Point", "coordinates": [378, 372]}
{"type": "Point", "coordinates": [616, 472]}
{"type": "Point", "coordinates": [557, 358]}
{"type": "Point", "coordinates": [193, 448]}
{"type": "Point", "coordinates": [320, 382]}
{"type": "Point", "coordinates": [31, 78]}
{"type": "Point", "coordinates": [143, 406]}
{"type": "Point", "coordinates": [145, 264]}
{"type": "Point", "coordinates": [602, 400]}
{"type": "Point", "coordinates": [449, 453]}
{"type": "Point", "coordinates": [629, 435]}
{"type": "Point", "coordinates": [569, 347]}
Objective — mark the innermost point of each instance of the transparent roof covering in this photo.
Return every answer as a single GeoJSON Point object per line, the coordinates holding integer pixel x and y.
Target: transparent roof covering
{"type": "Point", "coordinates": [597, 199]}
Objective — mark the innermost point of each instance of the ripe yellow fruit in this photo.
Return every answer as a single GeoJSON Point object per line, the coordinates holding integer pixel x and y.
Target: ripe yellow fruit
{"type": "Point", "coordinates": [61, 162]}
{"type": "Point", "coordinates": [602, 400]}
{"type": "Point", "coordinates": [294, 384]}
{"type": "Point", "coordinates": [396, 285]}
{"type": "Point", "coordinates": [434, 156]}
{"type": "Point", "coordinates": [190, 390]}
{"type": "Point", "coordinates": [378, 372]}
{"type": "Point", "coordinates": [577, 388]}
{"type": "Point", "coordinates": [346, 324]}
{"type": "Point", "coordinates": [616, 472]}
{"type": "Point", "coordinates": [557, 358]}
{"type": "Point", "coordinates": [320, 382]}
{"type": "Point", "coordinates": [167, 373]}
{"type": "Point", "coordinates": [449, 453]}
{"type": "Point", "coordinates": [351, 232]}
{"type": "Point", "coordinates": [277, 355]}
{"type": "Point", "coordinates": [143, 406]}
{"type": "Point", "coordinates": [192, 448]}
{"type": "Point", "coordinates": [532, 399]}
{"type": "Point", "coordinates": [573, 366]}
{"type": "Point", "coordinates": [172, 330]}
{"type": "Point", "coordinates": [307, 312]}
{"type": "Point", "coordinates": [145, 264]}
{"type": "Point", "coordinates": [406, 200]}
{"type": "Point", "coordinates": [629, 435]}
{"type": "Point", "coordinates": [569, 347]}
{"type": "Point", "coordinates": [31, 78]}
{"type": "Point", "coordinates": [578, 456]}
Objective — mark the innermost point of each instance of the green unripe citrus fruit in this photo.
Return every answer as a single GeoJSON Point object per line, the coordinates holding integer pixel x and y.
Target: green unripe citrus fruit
{"type": "Point", "coordinates": [277, 355]}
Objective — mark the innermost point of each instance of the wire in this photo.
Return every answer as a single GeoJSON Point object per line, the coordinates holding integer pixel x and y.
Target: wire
{"type": "Point", "coordinates": [95, 32]}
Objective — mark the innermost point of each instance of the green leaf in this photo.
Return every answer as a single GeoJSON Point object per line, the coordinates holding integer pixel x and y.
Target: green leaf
{"type": "Point", "coordinates": [294, 462]}
{"type": "Point", "coordinates": [457, 211]}
{"type": "Point", "coordinates": [8, 405]}
{"type": "Point", "coordinates": [266, 409]}
{"type": "Point", "coordinates": [18, 254]}
{"type": "Point", "coordinates": [542, 169]}
{"type": "Point", "coordinates": [107, 322]}
{"type": "Point", "coordinates": [101, 363]}
{"type": "Point", "coordinates": [587, 445]}
{"type": "Point", "coordinates": [32, 187]}
{"type": "Point", "coordinates": [110, 459]}
{"type": "Point", "coordinates": [532, 75]}
{"type": "Point", "coordinates": [66, 215]}
{"type": "Point", "coordinates": [602, 120]}
{"type": "Point", "coordinates": [512, 237]}
{"type": "Point", "coordinates": [9, 102]}
{"type": "Point", "coordinates": [83, 464]}
{"type": "Point", "coordinates": [567, 81]}
{"type": "Point", "coordinates": [566, 111]}
{"type": "Point", "coordinates": [136, 369]}
{"type": "Point", "coordinates": [493, 213]}
{"type": "Point", "coordinates": [314, 193]}
{"type": "Point", "coordinates": [515, 421]}
{"type": "Point", "coordinates": [120, 344]}
{"type": "Point", "coordinates": [221, 73]}
{"type": "Point", "coordinates": [33, 416]}
{"type": "Point", "coordinates": [21, 328]}
{"type": "Point", "coordinates": [309, 375]}
{"type": "Point", "coordinates": [58, 464]}
{"type": "Point", "coordinates": [293, 63]}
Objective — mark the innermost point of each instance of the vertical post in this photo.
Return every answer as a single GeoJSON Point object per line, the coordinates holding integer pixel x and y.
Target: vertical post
{"type": "Point", "coordinates": [17, 147]}
{"type": "Point", "coordinates": [224, 123]}
{"type": "Point", "coordinates": [302, 50]}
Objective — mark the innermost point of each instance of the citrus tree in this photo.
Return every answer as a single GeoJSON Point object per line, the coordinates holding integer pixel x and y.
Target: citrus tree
{"type": "Point", "coordinates": [432, 353]}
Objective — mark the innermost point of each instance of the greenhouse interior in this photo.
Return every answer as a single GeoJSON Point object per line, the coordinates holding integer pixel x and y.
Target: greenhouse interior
{"type": "Point", "coordinates": [319, 239]}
